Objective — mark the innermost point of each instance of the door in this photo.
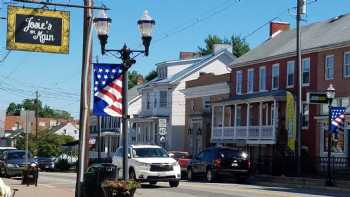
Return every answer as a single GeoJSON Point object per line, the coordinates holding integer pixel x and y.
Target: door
{"type": "Point", "coordinates": [196, 138]}
{"type": "Point", "coordinates": [197, 162]}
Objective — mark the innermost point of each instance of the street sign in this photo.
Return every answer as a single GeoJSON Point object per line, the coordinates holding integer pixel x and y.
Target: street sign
{"type": "Point", "coordinates": [317, 98]}
{"type": "Point", "coordinates": [162, 131]}
{"type": "Point", "coordinates": [27, 118]}
{"type": "Point", "coordinates": [37, 30]}
{"type": "Point", "coordinates": [162, 139]}
{"type": "Point", "coordinates": [162, 123]}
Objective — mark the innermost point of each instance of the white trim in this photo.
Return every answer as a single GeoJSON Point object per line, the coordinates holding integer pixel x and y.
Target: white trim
{"type": "Point", "coordinates": [262, 68]}
{"type": "Point", "coordinates": [302, 71]}
{"type": "Point", "coordinates": [344, 65]}
{"type": "Point", "coordinates": [288, 63]}
{"type": "Point", "coordinates": [326, 69]}
{"type": "Point", "coordinates": [251, 70]}
{"type": "Point", "coordinates": [277, 65]}
{"type": "Point", "coordinates": [239, 72]}
{"type": "Point", "coordinates": [207, 90]}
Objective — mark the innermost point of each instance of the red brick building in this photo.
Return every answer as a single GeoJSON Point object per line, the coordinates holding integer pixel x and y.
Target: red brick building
{"type": "Point", "coordinates": [254, 118]}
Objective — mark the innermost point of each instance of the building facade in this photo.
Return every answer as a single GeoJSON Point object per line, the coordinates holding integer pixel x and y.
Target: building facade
{"type": "Point", "coordinates": [163, 100]}
{"type": "Point", "coordinates": [199, 94]}
{"type": "Point", "coordinates": [255, 117]}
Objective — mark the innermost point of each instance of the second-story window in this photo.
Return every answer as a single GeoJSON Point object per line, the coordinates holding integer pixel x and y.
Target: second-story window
{"type": "Point", "coordinates": [329, 67]}
{"type": "Point", "coordinates": [163, 99]}
{"type": "Point", "coordinates": [275, 76]}
{"type": "Point", "coordinates": [262, 78]}
{"type": "Point", "coordinates": [347, 64]}
{"type": "Point", "coordinates": [250, 84]}
{"type": "Point", "coordinates": [148, 101]}
{"type": "Point", "coordinates": [290, 74]}
{"type": "Point", "coordinates": [306, 71]}
{"type": "Point", "coordinates": [239, 80]}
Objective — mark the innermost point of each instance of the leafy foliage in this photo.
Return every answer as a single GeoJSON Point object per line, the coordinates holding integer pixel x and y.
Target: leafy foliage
{"type": "Point", "coordinates": [239, 45]}
{"type": "Point", "coordinates": [30, 104]}
{"type": "Point", "coordinates": [133, 78]}
{"type": "Point", "coordinates": [151, 75]}
{"type": "Point", "coordinates": [45, 145]}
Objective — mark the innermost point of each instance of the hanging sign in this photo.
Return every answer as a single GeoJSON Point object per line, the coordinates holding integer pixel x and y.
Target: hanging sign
{"type": "Point", "coordinates": [37, 30]}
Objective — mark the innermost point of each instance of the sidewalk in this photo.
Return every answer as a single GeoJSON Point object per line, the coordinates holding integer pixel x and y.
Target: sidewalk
{"type": "Point", "coordinates": [300, 182]}
{"type": "Point", "coordinates": [41, 191]}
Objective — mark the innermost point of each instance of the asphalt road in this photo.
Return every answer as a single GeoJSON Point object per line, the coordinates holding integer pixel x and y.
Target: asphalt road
{"type": "Point", "coordinates": [66, 182]}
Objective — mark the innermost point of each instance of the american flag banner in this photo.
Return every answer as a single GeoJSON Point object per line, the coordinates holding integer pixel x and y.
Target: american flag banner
{"type": "Point", "coordinates": [107, 90]}
{"type": "Point", "coordinates": [338, 116]}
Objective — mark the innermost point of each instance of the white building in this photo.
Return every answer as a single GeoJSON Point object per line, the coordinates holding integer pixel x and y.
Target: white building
{"type": "Point", "coordinates": [69, 129]}
{"type": "Point", "coordinates": [163, 98]}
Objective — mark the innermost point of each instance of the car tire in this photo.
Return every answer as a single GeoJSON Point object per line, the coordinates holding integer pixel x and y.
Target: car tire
{"type": "Point", "coordinates": [174, 183]}
{"type": "Point", "coordinates": [132, 175]}
{"type": "Point", "coordinates": [2, 172]}
{"type": "Point", "coordinates": [209, 175]}
{"type": "Point", "coordinates": [153, 182]}
{"type": "Point", "coordinates": [190, 174]}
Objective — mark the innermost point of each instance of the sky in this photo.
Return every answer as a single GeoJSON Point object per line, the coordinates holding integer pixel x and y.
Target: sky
{"type": "Point", "coordinates": [181, 25]}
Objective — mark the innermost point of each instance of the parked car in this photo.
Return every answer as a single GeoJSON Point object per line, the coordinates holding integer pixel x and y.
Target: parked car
{"type": "Point", "coordinates": [14, 162]}
{"type": "Point", "coordinates": [149, 163]}
{"type": "Point", "coordinates": [217, 162]}
{"type": "Point", "coordinates": [183, 158]}
{"type": "Point", "coordinates": [46, 163]}
{"type": "Point", "coordinates": [5, 148]}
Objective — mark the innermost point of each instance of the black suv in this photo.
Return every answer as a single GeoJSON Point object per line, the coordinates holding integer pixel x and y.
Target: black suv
{"type": "Point", "coordinates": [220, 162]}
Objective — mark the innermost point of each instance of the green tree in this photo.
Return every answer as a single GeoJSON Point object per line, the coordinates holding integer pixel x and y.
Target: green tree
{"type": "Point", "coordinates": [12, 109]}
{"type": "Point", "coordinates": [133, 78]}
{"type": "Point", "coordinates": [239, 45]}
{"type": "Point", "coordinates": [151, 75]}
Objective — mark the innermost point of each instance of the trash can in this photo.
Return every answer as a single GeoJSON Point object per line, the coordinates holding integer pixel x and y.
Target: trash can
{"type": "Point", "coordinates": [95, 175]}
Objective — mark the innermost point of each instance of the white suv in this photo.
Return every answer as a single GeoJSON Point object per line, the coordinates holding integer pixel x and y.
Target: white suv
{"type": "Point", "coordinates": [149, 163]}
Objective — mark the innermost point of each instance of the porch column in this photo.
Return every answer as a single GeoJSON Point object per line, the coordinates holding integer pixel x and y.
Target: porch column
{"type": "Point", "coordinates": [212, 122]}
{"type": "Point", "coordinates": [235, 123]}
{"type": "Point", "coordinates": [260, 118]}
{"type": "Point", "coordinates": [222, 121]}
{"type": "Point", "coordinates": [274, 118]}
{"type": "Point", "coordinates": [248, 117]}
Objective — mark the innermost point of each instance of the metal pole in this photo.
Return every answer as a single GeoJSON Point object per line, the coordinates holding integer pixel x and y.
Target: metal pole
{"type": "Point", "coordinates": [99, 118]}
{"type": "Point", "coordinates": [299, 92]}
{"type": "Point", "coordinates": [36, 113]}
{"type": "Point", "coordinates": [329, 181]}
{"type": "Point", "coordinates": [27, 138]}
{"type": "Point", "coordinates": [84, 97]}
{"type": "Point", "coordinates": [125, 121]}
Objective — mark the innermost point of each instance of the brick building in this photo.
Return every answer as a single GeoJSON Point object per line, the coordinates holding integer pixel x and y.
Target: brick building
{"type": "Point", "coordinates": [199, 93]}
{"type": "Point", "coordinates": [254, 117]}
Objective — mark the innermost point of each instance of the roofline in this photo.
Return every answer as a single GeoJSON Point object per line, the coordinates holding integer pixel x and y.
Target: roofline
{"type": "Point", "coordinates": [291, 54]}
{"type": "Point", "coordinates": [177, 61]}
{"type": "Point", "coordinates": [222, 52]}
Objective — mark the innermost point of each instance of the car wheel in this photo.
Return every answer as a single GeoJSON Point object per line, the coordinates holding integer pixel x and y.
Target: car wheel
{"type": "Point", "coordinates": [189, 174]}
{"type": "Point", "coordinates": [153, 182]}
{"type": "Point", "coordinates": [132, 175]}
{"type": "Point", "coordinates": [2, 172]}
{"type": "Point", "coordinates": [174, 183]}
{"type": "Point", "coordinates": [210, 176]}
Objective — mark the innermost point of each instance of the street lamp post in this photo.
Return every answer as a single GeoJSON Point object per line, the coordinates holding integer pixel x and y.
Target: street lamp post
{"type": "Point", "coordinates": [145, 24]}
{"type": "Point", "coordinates": [330, 97]}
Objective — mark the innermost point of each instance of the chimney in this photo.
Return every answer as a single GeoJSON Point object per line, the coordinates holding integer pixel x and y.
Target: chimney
{"type": "Point", "coordinates": [277, 27]}
{"type": "Point", "coordinates": [219, 47]}
{"type": "Point", "coordinates": [140, 80]}
{"type": "Point", "coordinates": [188, 55]}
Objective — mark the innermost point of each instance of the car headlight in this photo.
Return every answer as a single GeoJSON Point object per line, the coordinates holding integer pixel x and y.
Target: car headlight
{"type": "Point", "coordinates": [175, 164]}
{"type": "Point", "coordinates": [244, 155]}
{"type": "Point", "coordinates": [142, 164]}
{"type": "Point", "coordinates": [10, 165]}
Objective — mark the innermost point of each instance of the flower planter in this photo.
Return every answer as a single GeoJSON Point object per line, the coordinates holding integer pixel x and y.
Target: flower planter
{"type": "Point", "coordinates": [119, 188]}
{"type": "Point", "coordinates": [30, 176]}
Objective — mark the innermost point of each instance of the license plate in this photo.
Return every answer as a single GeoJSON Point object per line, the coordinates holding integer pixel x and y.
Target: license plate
{"type": "Point", "coordinates": [234, 164]}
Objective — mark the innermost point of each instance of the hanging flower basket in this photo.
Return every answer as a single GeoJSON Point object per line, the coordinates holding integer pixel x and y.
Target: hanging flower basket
{"type": "Point", "coordinates": [112, 188]}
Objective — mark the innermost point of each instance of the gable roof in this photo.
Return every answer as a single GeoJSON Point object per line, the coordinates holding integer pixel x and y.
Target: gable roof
{"type": "Point", "coordinates": [315, 36]}
{"type": "Point", "coordinates": [191, 68]}
{"type": "Point", "coordinates": [133, 93]}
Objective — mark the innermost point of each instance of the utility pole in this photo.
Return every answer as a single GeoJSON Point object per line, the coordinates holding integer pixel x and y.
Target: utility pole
{"type": "Point", "coordinates": [300, 10]}
{"type": "Point", "coordinates": [85, 97]}
{"type": "Point", "coordinates": [36, 113]}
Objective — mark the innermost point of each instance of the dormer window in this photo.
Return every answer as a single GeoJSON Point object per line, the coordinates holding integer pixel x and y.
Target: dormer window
{"type": "Point", "coordinates": [162, 72]}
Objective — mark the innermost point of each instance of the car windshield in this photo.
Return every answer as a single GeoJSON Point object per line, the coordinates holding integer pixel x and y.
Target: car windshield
{"type": "Point", "coordinates": [149, 152]}
{"type": "Point", "coordinates": [229, 153]}
{"type": "Point", "coordinates": [17, 155]}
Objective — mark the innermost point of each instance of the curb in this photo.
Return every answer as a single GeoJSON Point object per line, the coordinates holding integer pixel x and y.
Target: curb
{"type": "Point", "coordinates": [297, 182]}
